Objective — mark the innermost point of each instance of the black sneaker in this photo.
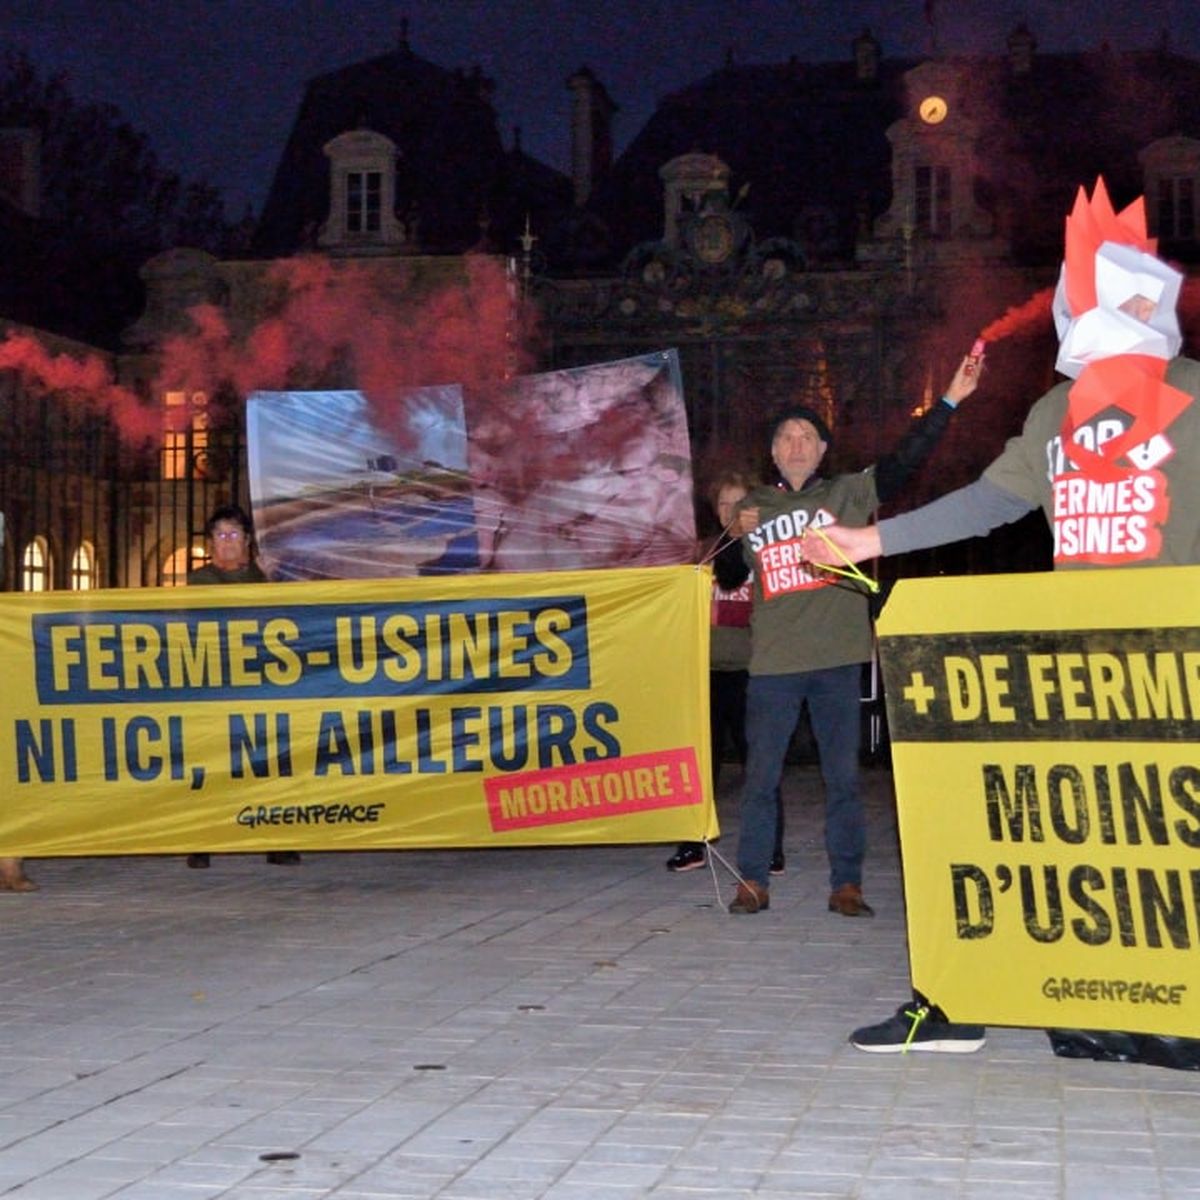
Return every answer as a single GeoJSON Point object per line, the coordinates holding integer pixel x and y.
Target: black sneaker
{"type": "Point", "coordinates": [197, 861]}
{"type": "Point", "coordinates": [687, 858]}
{"type": "Point", "coordinates": [778, 864]}
{"type": "Point", "coordinates": [918, 1027]}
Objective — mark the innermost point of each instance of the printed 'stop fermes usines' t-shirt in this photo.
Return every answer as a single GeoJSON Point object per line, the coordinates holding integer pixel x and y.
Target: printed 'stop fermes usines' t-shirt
{"type": "Point", "coordinates": [1137, 506]}
{"type": "Point", "coordinates": [806, 619]}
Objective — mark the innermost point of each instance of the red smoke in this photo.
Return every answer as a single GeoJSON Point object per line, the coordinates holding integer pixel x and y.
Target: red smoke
{"type": "Point", "coordinates": [85, 381]}
{"type": "Point", "coordinates": [1025, 318]}
{"type": "Point", "coordinates": [363, 327]}
{"type": "Point", "coordinates": [1021, 318]}
{"type": "Point", "coordinates": [332, 324]}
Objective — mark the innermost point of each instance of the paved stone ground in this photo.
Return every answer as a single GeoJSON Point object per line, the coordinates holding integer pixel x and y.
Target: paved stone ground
{"type": "Point", "coordinates": [518, 1025]}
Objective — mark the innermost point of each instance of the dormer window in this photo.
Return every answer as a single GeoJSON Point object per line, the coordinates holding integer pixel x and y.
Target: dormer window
{"type": "Point", "coordinates": [1172, 185]}
{"type": "Point", "coordinates": [932, 205]}
{"type": "Point", "coordinates": [934, 168]}
{"type": "Point", "coordinates": [1177, 208]}
{"type": "Point", "coordinates": [362, 201]}
{"type": "Point", "coordinates": [364, 192]}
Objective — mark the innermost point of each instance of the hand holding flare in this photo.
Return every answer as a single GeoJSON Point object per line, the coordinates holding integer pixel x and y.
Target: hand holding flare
{"type": "Point", "coordinates": [836, 547]}
{"type": "Point", "coordinates": [974, 360]}
{"type": "Point", "coordinates": [966, 378]}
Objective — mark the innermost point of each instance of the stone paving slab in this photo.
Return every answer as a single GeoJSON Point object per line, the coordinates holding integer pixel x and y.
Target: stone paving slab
{"type": "Point", "coordinates": [557, 1024]}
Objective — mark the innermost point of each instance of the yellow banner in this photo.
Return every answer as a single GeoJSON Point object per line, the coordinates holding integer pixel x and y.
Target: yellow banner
{"type": "Point", "coordinates": [1045, 734]}
{"type": "Point", "coordinates": [502, 710]}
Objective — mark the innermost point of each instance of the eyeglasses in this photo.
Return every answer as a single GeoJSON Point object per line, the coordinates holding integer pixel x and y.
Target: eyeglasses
{"type": "Point", "coordinates": [228, 535]}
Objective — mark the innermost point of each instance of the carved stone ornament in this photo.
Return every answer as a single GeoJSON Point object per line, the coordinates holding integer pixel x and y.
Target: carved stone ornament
{"type": "Point", "coordinates": [712, 238]}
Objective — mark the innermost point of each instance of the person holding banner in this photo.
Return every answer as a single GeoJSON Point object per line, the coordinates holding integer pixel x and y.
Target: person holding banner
{"type": "Point", "coordinates": [230, 538]}
{"type": "Point", "coordinates": [729, 654]}
{"type": "Point", "coordinates": [12, 870]}
{"type": "Point", "coordinates": [811, 635]}
{"type": "Point", "coordinates": [1112, 457]}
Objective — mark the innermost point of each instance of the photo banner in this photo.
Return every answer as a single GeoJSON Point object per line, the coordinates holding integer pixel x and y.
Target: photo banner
{"type": "Point", "coordinates": [472, 711]}
{"type": "Point", "coordinates": [580, 469]}
{"type": "Point", "coordinates": [1046, 751]}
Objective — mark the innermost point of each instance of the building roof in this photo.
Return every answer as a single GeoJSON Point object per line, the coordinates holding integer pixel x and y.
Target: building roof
{"type": "Point", "coordinates": [453, 173]}
{"type": "Point", "coordinates": [802, 136]}
{"type": "Point", "coordinates": [812, 138]}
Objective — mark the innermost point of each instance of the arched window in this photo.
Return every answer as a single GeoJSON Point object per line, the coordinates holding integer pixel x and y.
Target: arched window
{"type": "Point", "coordinates": [175, 569]}
{"type": "Point", "coordinates": [36, 566]}
{"type": "Point", "coordinates": [83, 567]}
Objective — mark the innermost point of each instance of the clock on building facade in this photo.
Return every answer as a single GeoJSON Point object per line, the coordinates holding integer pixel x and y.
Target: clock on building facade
{"type": "Point", "coordinates": [932, 110]}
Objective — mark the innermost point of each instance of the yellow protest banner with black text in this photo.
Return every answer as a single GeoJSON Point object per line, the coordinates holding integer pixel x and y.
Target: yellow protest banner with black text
{"type": "Point", "coordinates": [1046, 748]}
{"type": "Point", "coordinates": [460, 711]}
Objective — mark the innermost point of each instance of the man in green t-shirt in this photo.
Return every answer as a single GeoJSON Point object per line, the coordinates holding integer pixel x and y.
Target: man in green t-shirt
{"type": "Point", "coordinates": [810, 635]}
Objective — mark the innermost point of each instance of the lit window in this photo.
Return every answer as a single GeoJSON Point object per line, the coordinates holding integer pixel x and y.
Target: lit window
{"type": "Point", "coordinates": [83, 568]}
{"type": "Point", "coordinates": [175, 569]}
{"type": "Point", "coordinates": [185, 435]}
{"type": "Point", "coordinates": [932, 197]}
{"type": "Point", "coordinates": [364, 201]}
{"type": "Point", "coordinates": [35, 566]}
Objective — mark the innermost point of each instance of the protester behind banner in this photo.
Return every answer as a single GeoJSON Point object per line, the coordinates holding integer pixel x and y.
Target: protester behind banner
{"type": "Point", "coordinates": [12, 870]}
{"type": "Point", "coordinates": [1111, 456]}
{"type": "Point", "coordinates": [232, 558]}
{"type": "Point", "coordinates": [1043, 746]}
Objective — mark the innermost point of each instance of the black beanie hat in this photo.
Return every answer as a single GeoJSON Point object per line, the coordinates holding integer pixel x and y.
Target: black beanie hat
{"type": "Point", "coordinates": [802, 412]}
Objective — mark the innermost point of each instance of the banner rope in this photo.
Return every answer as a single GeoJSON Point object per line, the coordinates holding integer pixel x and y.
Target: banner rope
{"type": "Point", "coordinates": [723, 539]}
{"type": "Point", "coordinates": [850, 571]}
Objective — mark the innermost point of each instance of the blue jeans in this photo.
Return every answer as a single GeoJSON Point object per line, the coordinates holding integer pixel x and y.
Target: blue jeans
{"type": "Point", "coordinates": [773, 705]}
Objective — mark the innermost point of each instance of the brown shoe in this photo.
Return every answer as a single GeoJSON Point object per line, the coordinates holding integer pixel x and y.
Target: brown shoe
{"type": "Point", "coordinates": [848, 901]}
{"type": "Point", "coordinates": [750, 897]}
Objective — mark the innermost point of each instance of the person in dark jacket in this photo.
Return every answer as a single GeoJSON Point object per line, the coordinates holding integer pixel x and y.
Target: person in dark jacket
{"type": "Point", "coordinates": [729, 653]}
{"type": "Point", "coordinates": [231, 560]}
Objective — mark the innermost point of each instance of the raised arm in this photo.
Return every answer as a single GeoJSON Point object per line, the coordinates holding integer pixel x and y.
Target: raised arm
{"type": "Point", "coordinates": [894, 470]}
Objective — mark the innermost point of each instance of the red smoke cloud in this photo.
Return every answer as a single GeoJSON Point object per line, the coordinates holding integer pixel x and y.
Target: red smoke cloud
{"type": "Point", "coordinates": [86, 381]}
{"type": "Point", "coordinates": [1021, 318]}
{"type": "Point", "coordinates": [332, 324]}
{"type": "Point", "coordinates": [1035, 312]}
{"type": "Point", "coordinates": [343, 325]}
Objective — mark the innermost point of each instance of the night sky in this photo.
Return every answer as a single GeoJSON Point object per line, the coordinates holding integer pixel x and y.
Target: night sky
{"type": "Point", "coordinates": [215, 84]}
